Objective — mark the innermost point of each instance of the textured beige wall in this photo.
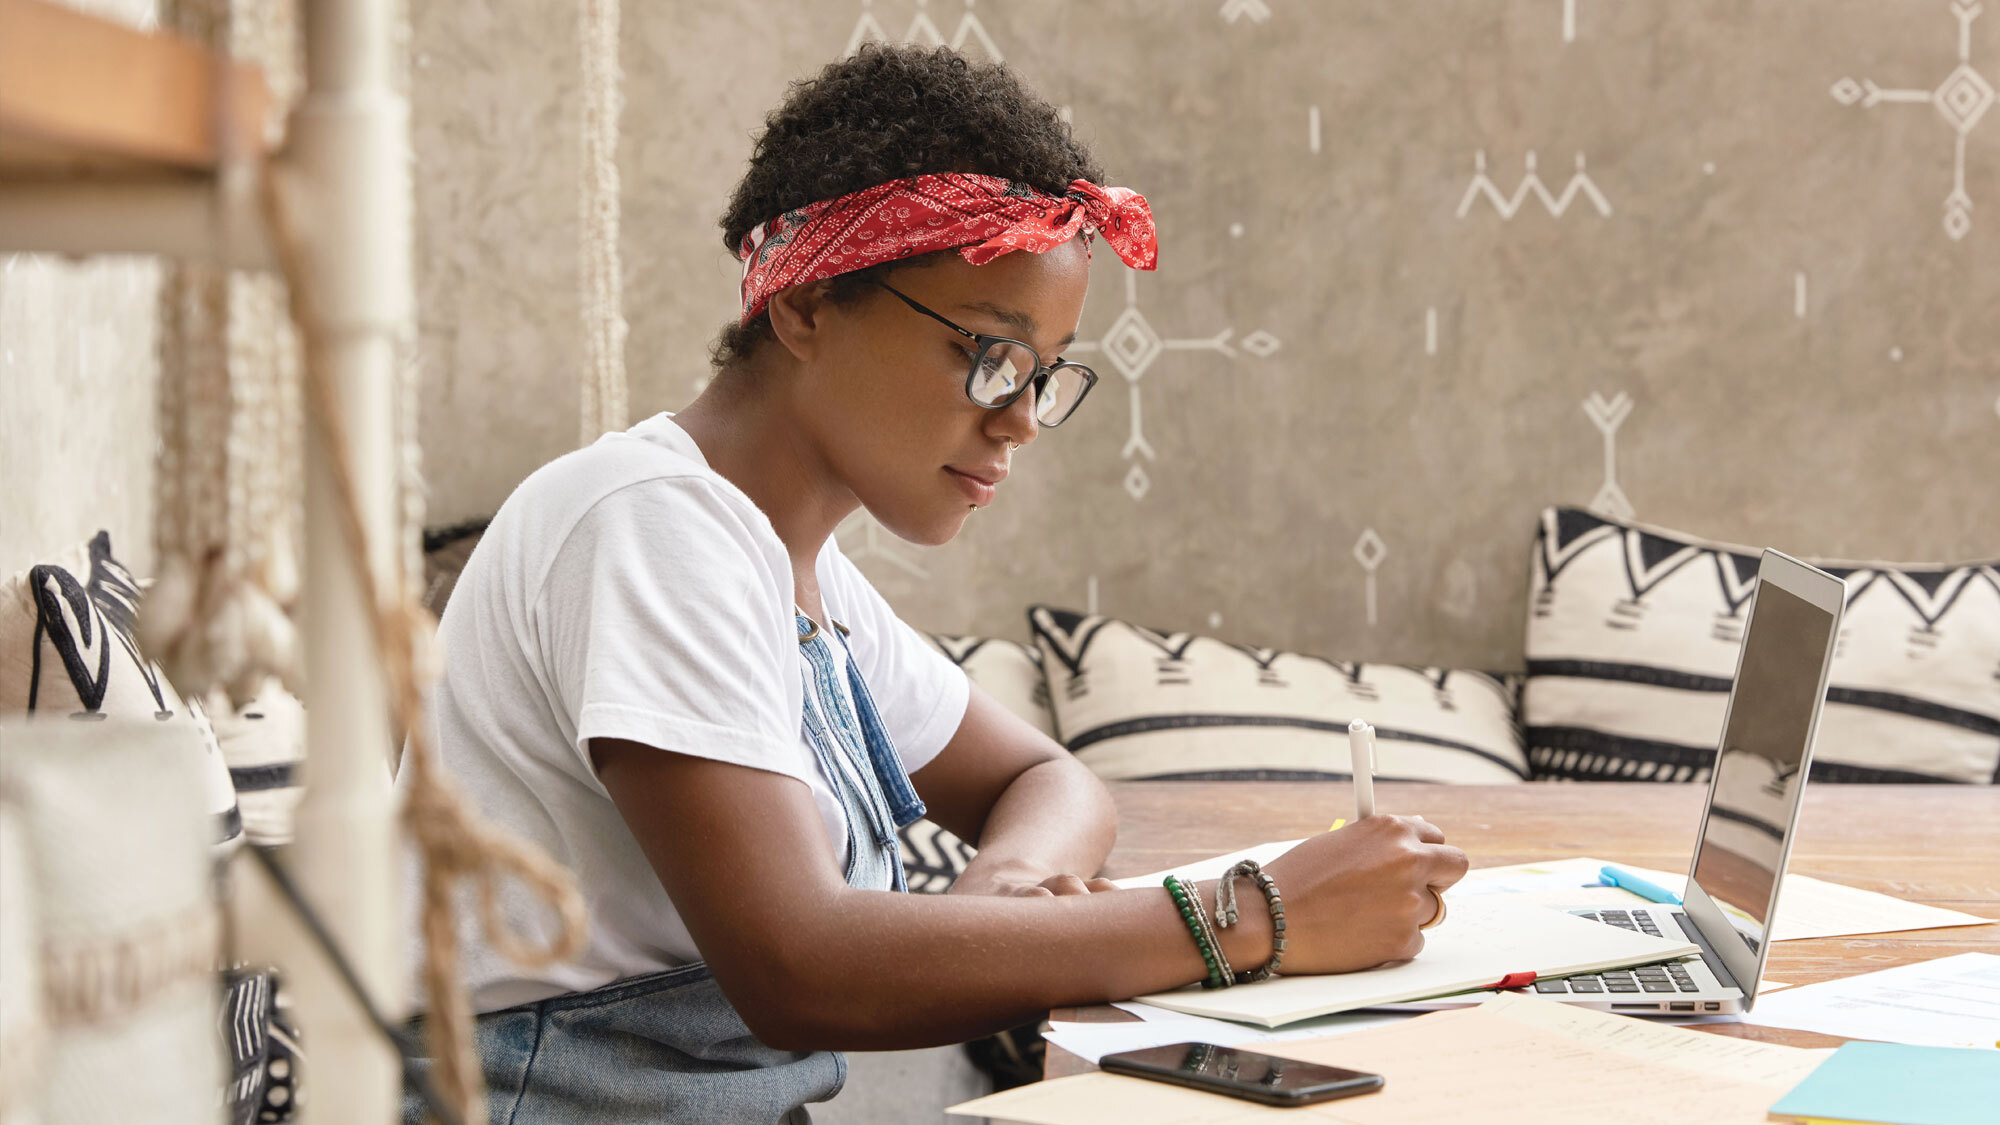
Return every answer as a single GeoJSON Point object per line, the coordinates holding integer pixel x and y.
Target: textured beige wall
{"type": "Point", "coordinates": [1752, 298]}
{"type": "Point", "coordinates": [78, 376]}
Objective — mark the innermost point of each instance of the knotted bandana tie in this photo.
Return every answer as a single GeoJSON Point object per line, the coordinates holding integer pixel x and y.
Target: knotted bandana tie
{"type": "Point", "coordinates": [982, 217]}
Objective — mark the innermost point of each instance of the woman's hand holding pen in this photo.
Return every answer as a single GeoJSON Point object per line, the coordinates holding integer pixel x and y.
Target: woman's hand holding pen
{"type": "Point", "coordinates": [1355, 898]}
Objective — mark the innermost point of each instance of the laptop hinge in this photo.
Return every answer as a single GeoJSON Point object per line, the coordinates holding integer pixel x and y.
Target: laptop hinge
{"type": "Point", "coordinates": [1714, 959]}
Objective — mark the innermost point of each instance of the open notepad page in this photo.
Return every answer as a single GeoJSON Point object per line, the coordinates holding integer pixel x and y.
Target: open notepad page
{"type": "Point", "coordinates": [1481, 941]}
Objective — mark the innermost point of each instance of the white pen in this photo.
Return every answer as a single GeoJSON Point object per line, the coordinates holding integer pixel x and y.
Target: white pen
{"type": "Point", "coordinates": [1361, 753]}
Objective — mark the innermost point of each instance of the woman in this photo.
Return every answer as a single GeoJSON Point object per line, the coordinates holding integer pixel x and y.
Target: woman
{"type": "Point", "coordinates": [659, 666]}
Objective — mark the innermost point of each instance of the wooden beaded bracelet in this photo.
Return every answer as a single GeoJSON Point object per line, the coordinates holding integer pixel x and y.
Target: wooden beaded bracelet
{"type": "Point", "coordinates": [1225, 912]}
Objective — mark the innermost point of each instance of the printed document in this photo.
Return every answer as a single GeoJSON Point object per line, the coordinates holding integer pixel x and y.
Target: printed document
{"type": "Point", "coordinates": [1515, 1060]}
{"type": "Point", "coordinates": [1807, 907]}
{"type": "Point", "coordinates": [1949, 1002]}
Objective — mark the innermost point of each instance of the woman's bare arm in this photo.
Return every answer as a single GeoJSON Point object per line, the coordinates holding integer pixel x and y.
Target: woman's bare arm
{"type": "Point", "coordinates": [811, 963]}
{"type": "Point", "coordinates": [1041, 820]}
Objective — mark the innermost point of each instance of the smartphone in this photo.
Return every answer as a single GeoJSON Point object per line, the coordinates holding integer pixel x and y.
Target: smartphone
{"type": "Point", "coordinates": [1242, 1074]}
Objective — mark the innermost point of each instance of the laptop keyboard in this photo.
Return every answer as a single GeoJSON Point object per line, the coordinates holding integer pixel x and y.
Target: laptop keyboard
{"type": "Point", "coordinates": [1662, 976]}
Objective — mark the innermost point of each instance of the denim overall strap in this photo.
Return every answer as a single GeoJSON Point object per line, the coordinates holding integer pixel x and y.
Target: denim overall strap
{"type": "Point", "coordinates": [874, 855]}
{"type": "Point", "coordinates": [904, 804]}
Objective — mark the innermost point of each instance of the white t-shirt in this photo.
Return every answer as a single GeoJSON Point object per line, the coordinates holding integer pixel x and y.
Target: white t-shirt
{"type": "Point", "coordinates": [629, 591]}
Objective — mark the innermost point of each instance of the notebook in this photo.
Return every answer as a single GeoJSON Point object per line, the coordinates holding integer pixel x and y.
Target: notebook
{"type": "Point", "coordinates": [1480, 943]}
{"type": "Point", "coordinates": [1894, 1084]}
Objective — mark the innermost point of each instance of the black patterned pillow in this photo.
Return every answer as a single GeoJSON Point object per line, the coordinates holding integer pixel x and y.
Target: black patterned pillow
{"type": "Point", "coordinates": [263, 1048]}
{"type": "Point", "coordinates": [68, 650]}
{"type": "Point", "coordinates": [1632, 638]}
{"type": "Point", "coordinates": [933, 858]}
{"type": "Point", "coordinates": [1130, 702]}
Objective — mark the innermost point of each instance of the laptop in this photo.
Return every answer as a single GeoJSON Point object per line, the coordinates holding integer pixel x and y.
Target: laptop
{"type": "Point", "coordinates": [1751, 816]}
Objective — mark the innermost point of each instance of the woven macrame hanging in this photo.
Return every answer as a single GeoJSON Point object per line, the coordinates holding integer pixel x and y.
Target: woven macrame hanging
{"type": "Point", "coordinates": [228, 486]}
{"type": "Point", "coordinates": [229, 492]}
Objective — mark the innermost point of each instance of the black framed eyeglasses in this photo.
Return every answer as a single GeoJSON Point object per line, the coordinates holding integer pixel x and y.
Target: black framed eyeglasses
{"type": "Point", "coordinates": [1003, 369]}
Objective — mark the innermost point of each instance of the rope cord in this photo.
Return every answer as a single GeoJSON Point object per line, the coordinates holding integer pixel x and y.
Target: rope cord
{"type": "Point", "coordinates": [455, 842]}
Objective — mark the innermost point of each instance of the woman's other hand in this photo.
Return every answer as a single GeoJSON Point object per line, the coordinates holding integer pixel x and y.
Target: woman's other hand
{"type": "Point", "coordinates": [1006, 880]}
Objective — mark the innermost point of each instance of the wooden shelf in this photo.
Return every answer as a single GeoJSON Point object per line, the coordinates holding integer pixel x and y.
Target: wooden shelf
{"type": "Point", "coordinates": [79, 93]}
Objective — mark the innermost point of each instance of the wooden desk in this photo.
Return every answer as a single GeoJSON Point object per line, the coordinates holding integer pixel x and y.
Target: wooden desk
{"type": "Point", "coordinates": [1927, 843]}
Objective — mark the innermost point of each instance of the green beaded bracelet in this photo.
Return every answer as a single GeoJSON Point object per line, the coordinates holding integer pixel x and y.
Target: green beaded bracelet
{"type": "Point", "coordinates": [1185, 900]}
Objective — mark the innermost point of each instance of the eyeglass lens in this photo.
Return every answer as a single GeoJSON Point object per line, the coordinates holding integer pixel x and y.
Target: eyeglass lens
{"type": "Point", "coordinates": [1003, 367]}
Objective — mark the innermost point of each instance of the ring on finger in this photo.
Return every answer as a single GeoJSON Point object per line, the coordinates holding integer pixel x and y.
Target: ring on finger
{"type": "Point", "coordinates": [1438, 918]}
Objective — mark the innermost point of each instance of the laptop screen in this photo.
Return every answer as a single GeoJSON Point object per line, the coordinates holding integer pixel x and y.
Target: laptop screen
{"type": "Point", "coordinates": [1757, 775]}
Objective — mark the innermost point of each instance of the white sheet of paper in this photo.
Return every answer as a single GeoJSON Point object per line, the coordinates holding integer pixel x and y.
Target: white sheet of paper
{"type": "Point", "coordinates": [1480, 942]}
{"type": "Point", "coordinates": [1514, 1061]}
{"type": "Point", "coordinates": [1212, 867]}
{"type": "Point", "coordinates": [1092, 1041]}
{"type": "Point", "coordinates": [1149, 1013]}
{"type": "Point", "coordinates": [1807, 907]}
{"type": "Point", "coordinates": [1948, 1002]}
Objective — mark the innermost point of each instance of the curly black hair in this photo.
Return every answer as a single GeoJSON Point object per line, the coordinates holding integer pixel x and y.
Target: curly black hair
{"type": "Point", "coordinates": [883, 114]}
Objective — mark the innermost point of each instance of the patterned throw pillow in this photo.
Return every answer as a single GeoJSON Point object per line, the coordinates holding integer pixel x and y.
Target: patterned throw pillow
{"type": "Point", "coordinates": [1010, 672]}
{"type": "Point", "coordinates": [263, 1048]}
{"type": "Point", "coordinates": [1134, 703]}
{"type": "Point", "coordinates": [1632, 639]}
{"type": "Point", "coordinates": [126, 920]}
{"type": "Point", "coordinates": [263, 743]}
{"type": "Point", "coordinates": [67, 650]}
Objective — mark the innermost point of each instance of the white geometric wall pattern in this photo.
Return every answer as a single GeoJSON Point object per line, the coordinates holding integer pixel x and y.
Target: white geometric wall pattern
{"type": "Point", "coordinates": [924, 30]}
{"type": "Point", "coordinates": [1962, 99]}
{"type": "Point", "coordinates": [1369, 551]}
{"type": "Point", "coordinates": [1531, 185]}
{"type": "Point", "coordinates": [1607, 414]}
{"type": "Point", "coordinates": [1133, 344]}
{"type": "Point", "coordinates": [1257, 10]}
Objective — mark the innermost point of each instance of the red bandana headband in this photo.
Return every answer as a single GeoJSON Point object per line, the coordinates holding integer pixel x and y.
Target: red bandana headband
{"type": "Point", "coordinates": [982, 217]}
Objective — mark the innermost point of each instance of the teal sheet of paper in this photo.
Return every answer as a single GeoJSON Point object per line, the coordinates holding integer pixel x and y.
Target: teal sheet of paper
{"type": "Point", "coordinates": [1900, 1085]}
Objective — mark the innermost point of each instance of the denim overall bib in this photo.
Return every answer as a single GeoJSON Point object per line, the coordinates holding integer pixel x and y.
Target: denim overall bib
{"type": "Point", "coordinates": [667, 1047]}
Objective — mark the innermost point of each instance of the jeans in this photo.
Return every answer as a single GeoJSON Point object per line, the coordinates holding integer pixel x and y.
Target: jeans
{"type": "Point", "coordinates": [665, 1047]}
